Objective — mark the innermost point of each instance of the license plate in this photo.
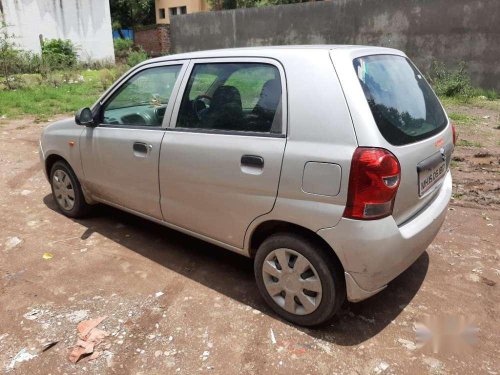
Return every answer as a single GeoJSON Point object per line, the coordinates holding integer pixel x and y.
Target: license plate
{"type": "Point", "coordinates": [428, 177]}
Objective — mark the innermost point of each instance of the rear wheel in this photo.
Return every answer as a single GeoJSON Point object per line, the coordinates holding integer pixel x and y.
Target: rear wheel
{"type": "Point", "coordinates": [67, 191]}
{"type": "Point", "coordinates": [298, 279]}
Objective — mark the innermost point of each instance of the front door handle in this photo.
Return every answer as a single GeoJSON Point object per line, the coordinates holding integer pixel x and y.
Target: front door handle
{"type": "Point", "coordinates": [252, 161]}
{"type": "Point", "coordinates": [141, 149]}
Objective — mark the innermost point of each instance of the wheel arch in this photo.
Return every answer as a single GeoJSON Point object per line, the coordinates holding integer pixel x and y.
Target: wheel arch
{"type": "Point", "coordinates": [51, 160]}
{"type": "Point", "coordinates": [269, 227]}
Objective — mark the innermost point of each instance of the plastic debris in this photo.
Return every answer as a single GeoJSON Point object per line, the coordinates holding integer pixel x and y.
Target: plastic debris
{"type": "Point", "coordinates": [89, 338]}
{"type": "Point", "coordinates": [158, 294]}
{"type": "Point", "coordinates": [410, 345]}
{"type": "Point", "coordinates": [381, 367]}
{"type": "Point", "coordinates": [12, 242]}
{"type": "Point", "coordinates": [33, 314]}
{"type": "Point", "coordinates": [47, 256]}
{"type": "Point", "coordinates": [23, 356]}
{"type": "Point", "coordinates": [273, 338]}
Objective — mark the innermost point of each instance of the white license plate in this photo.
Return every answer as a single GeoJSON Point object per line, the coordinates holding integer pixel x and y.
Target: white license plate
{"type": "Point", "coordinates": [427, 178]}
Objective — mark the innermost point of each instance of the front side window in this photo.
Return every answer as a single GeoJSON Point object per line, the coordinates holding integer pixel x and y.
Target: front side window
{"type": "Point", "coordinates": [143, 99]}
{"type": "Point", "coordinates": [402, 103]}
{"type": "Point", "coordinates": [233, 97]}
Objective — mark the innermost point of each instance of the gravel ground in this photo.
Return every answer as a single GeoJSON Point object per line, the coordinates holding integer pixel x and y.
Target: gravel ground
{"type": "Point", "coordinates": [178, 305]}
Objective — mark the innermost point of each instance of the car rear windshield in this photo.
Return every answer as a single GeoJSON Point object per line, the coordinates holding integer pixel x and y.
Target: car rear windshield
{"type": "Point", "coordinates": [402, 103]}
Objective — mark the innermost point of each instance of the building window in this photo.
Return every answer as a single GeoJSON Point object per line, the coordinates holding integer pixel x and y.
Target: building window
{"type": "Point", "coordinates": [173, 11]}
{"type": "Point", "coordinates": [183, 10]}
{"type": "Point", "coordinates": [162, 13]}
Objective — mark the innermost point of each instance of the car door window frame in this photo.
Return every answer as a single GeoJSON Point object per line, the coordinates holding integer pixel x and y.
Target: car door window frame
{"type": "Point", "coordinates": [110, 94]}
{"type": "Point", "coordinates": [223, 60]}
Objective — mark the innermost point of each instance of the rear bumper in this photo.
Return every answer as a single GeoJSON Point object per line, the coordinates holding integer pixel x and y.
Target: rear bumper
{"type": "Point", "coordinates": [375, 252]}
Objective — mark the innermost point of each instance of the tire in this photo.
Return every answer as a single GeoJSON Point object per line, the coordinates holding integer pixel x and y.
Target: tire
{"type": "Point", "coordinates": [325, 269]}
{"type": "Point", "coordinates": [76, 207]}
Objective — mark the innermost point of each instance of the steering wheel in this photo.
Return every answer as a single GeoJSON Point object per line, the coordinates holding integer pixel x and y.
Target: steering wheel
{"type": "Point", "coordinates": [199, 104]}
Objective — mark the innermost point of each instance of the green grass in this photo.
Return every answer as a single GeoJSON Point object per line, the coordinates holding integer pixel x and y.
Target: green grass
{"type": "Point", "coordinates": [43, 100]}
{"type": "Point", "coordinates": [466, 143]}
{"type": "Point", "coordinates": [461, 118]}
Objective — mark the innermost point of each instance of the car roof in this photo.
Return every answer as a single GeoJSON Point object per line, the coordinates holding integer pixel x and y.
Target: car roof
{"type": "Point", "coordinates": [265, 51]}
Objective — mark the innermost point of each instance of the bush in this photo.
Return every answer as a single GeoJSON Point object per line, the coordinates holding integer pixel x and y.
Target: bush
{"type": "Point", "coordinates": [451, 82]}
{"type": "Point", "coordinates": [136, 57]}
{"type": "Point", "coordinates": [123, 47]}
{"type": "Point", "coordinates": [59, 54]}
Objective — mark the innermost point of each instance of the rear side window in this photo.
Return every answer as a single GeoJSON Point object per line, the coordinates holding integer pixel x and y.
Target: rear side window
{"type": "Point", "coordinates": [242, 97]}
{"type": "Point", "coordinates": [402, 102]}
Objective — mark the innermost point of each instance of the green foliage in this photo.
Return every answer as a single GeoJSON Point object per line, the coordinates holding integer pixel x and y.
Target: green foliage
{"type": "Point", "coordinates": [9, 56]}
{"type": "Point", "coordinates": [466, 143]}
{"type": "Point", "coordinates": [60, 92]}
{"type": "Point", "coordinates": [136, 57]}
{"type": "Point", "coordinates": [130, 13]}
{"type": "Point", "coordinates": [488, 94]}
{"type": "Point", "coordinates": [59, 54]}
{"type": "Point", "coordinates": [123, 45]}
{"type": "Point", "coordinates": [462, 119]}
{"type": "Point", "coordinates": [123, 48]}
{"type": "Point", "coordinates": [451, 82]}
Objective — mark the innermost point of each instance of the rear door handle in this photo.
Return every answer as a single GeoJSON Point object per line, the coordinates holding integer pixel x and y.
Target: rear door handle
{"type": "Point", "coordinates": [141, 149]}
{"type": "Point", "coordinates": [252, 161]}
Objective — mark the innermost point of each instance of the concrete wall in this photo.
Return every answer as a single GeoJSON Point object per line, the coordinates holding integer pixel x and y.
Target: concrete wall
{"type": "Point", "coordinates": [427, 30]}
{"type": "Point", "coordinates": [87, 23]}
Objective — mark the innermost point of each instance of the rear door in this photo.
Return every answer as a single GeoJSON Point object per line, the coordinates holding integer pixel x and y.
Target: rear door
{"type": "Point", "coordinates": [221, 158]}
{"type": "Point", "coordinates": [394, 107]}
{"type": "Point", "coordinates": [120, 155]}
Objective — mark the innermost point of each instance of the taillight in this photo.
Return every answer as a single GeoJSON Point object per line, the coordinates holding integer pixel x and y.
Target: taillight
{"type": "Point", "coordinates": [373, 183]}
{"type": "Point", "coordinates": [454, 134]}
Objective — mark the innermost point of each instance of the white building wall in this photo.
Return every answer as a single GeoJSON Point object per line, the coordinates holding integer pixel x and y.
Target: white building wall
{"type": "Point", "coordinates": [87, 23]}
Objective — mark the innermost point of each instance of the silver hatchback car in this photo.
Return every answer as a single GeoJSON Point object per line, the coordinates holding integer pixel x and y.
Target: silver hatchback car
{"type": "Point", "coordinates": [328, 165]}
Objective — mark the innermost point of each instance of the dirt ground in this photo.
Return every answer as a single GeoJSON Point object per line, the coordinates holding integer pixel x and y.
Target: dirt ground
{"type": "Point", "coordinates": [178, 305]}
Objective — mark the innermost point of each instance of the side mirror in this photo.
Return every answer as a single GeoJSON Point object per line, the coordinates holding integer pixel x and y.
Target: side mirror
{"type": "Point", "coordinates": [84, 117]}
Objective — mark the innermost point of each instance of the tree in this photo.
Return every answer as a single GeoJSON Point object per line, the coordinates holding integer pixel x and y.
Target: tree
{"type": "Point", "coordinates": [130, 13]}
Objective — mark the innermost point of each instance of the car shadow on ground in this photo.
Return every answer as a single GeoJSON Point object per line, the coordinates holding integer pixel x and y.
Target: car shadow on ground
{"type": "Point", "coordinates": [232, 274]}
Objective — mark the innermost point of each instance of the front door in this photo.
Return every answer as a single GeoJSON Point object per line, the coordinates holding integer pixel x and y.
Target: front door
{"type": "Point", "coordinates": [220, 164]}
{"type": "Point", "coordinates": [120, 155]}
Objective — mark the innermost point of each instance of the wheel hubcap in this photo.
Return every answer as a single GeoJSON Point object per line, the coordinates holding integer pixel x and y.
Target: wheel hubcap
{"type": "Point", "coordinates": [292, 281]}
{"type": "Point", "coordinates": [63, 190]}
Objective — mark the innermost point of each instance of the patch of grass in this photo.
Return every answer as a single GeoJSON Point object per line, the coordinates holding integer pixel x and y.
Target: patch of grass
{"type": "Point", "coordinates": [466, 143]}
{"type": "Point", "coordinates": [490, 94]}
{"type": "Point", "coordinates": [461, 118]}
{"type": "Point", "coordinates": [454, 164]}
{"type": "Point", "coordinates": [51, 98]}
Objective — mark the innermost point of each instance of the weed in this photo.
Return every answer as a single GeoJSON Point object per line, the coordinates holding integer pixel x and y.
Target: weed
{"type": "Point", "coordinates": [451, 82]}
{"type": "Point", "coordinates": [466, 143]}
{"type": "Point", "coordinates": [106, 78]}
{"type": "Point", "coordinates": [137, 57]}
{"type": "Point", "coordinates": [487, 94]}
{"type": "Point", "coordinates": [460, 118]}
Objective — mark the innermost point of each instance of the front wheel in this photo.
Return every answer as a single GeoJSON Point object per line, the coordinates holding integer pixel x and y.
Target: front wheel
{"type": "Point", "coordinates": [67, 191]}
{"type": "Point", "coordinates": [298, 279]}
